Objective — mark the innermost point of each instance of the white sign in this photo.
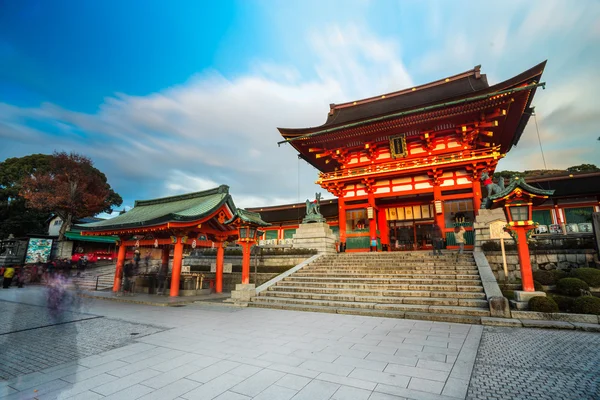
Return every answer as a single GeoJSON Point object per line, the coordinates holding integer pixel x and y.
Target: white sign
{"type": "Point", "coordinates": [497, 230]}
{"type": "Point", "coordinates": [185, 269]}
{"type": "Point", "coordinates": [227, 267]}
{"type": "Point", "coordinates": [155, 242]}
{"type": "Point", "coordinates": [137, 243]}
{"type": "Point", "coordinates": [194, 244]}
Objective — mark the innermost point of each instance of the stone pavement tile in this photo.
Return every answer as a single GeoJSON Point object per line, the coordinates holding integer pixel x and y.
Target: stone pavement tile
{"type": "Point", "coordinates": [213, 371]}
{"type": "Point", "coordinates": [451, 359]}
{"type": "Point", "coordinates": [154, 362]}
{"type": "Point", "coordinates": [410, 393]}
{"type": "Point", "coordinates": [435, 365]}
{"type": "Point", "coordinates": [79, 387]}
{"type": "Point", "coordinates": [384, 396]}
{"type": "Point", "coordinates": [131, 393]}
{"type": "Point", "coordinates": [294, 370]}
{"type": "Point", "coordinates": [174, 362]}
{"type": "Point", "coordinates": [367, 342]}
{"type": "Point", "coordinates": [456, 387]}
{"type": "Point", "coordinates": [342, 380]}
{"type": "Point", "coordinates": [315, 355]}
{"type": "Point", "coordinates": [376, 349]}
{"type": "Point", "coordinates": [462, 369]}
{"type": "Point", "coordinates": [336, 369]}
{"type": "Point", "coordinates": [37, 390]}
{"type": "Point", "coordinates": [380, 377]}
{"type": "Point", "coordinates": [276, 392]}
{"type": "Point", "coordinates": [249, 361]}
{"type": "Point", "coordinates": [426, 385]}
{"type": "Point", "coordinates": [258, 382]}
{"type": "Point", "coordinates": [439, 350]}
{"type": "Point", "coordinates": [173, 390]}
{"type": "Point", "coordinates": [232, 396]}
{"type": "Point", "coordinates": [87, 395]}
{"type": "Point", "coordinates": [94, 371]}
{"type": "Point", "coordinates": [245, 370]}
{"type": "Point", "coordinates": [166, 378]}
{"type": "Point", "coordinates": [294, 382]}
{"type": "Point", "coordinates": [351, 393]}
{"type": "Point", "coordinates": [424, 342]}
{"type": "Point", "coordinates": [409, 361]}
{"type": "Point", "coordinates": [125, 382]}
{"type": "Point", "coordinates": [213, 388]}
{"type": "Point", "coordinates": [6, 390]}
{"type": "Point", "coordinates": [415, 372]}
{"type": "Point", "coordinates": [317, 390]}
{"type": "Point", "coordinates": [133, 358]}
{"type": "Point", "coordinates": [341, 350]}
{"type": "Point", "coordinates": [57, 367]}
{"type": "Point", "coordinates": [361, 363]}
{"type": "Point", "coordinates": [282, 359]}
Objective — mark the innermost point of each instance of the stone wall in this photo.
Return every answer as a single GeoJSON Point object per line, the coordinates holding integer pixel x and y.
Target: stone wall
{"type": "Point", "coordinates": [541, 259]}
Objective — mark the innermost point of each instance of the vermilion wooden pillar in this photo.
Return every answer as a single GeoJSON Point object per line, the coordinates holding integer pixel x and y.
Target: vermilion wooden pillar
{"type": "Point", "coordinates": [439, 218]}
{"type": "Point", "coordinates": [342, 222]}
{"type": "Point", "coordinates": [383, 229]}
{"type": "Point", "coordinates": [524, 260]}
{"type": "Point", "coordinates": [373, 222]}
{"type": "Point", "coordinates": [246, 262]}
{"type": "Point", "coordinates": [119, 269]}
{"type": "Point", "coordinates": [476, 196]}
{"type": "Point", "coordinates": [219, 269]}
{"type": "Point", "coordinates": [176, 272]}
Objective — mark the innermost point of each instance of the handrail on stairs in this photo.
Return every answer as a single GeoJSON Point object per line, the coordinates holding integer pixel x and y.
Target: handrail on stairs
{"type": "Point", "coordinates": [98, 278]}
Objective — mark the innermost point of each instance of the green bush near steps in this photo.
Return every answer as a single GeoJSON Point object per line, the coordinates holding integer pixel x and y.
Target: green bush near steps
{"type": "Point", "coordinates": [543, 304]}
{"type": "Point", "coordinates": [587, 305]}
{"type": "Point", "coordinates": [565, 303]}
{"type": "Point", "coordinates": [544, 277]}
{"type": "Point", "coordinates": [571, 286]}
{"type": "Point", "coordinates": [591, 276]}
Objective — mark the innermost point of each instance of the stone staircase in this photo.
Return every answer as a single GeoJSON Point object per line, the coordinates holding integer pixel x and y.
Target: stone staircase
{"type": "Point", "coordinates": [412, 285]}
{"type": "Point", "coordinates": [87, 280]}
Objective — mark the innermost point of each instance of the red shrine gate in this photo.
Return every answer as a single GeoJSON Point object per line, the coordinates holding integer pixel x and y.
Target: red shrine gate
{"type": "Point", "coordinates": [401, 162]}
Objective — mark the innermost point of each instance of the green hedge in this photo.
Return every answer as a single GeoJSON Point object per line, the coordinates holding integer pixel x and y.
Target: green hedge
{"type": "Point", "coordinates": [543, 304]}
{"type": "Point", "coordinates": [587, 305]}
{"type": "Point", "coordinates": [571, 286]}
{"type": "Point", "coordinates": [591, 276]}
{"type": "Point", "coordinates": [544, 277]}
{"type": "Point", "coordinates": [565, 303]}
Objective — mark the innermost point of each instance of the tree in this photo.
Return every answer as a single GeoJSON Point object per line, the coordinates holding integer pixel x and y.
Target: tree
{"type": "Point", "coordinates": [15, 217]}
{"type": "Point", "coordinates": [71, 188]}
{"type": "Point", "coordinates": [583, 168]}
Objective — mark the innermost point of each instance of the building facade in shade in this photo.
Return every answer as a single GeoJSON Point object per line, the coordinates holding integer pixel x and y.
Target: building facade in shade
{"type": "Point", "coordinates": [403, 162]}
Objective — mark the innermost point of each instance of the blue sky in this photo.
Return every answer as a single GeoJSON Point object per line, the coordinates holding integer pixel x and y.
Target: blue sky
{"type": "Point", "coordinates": [172, 97]}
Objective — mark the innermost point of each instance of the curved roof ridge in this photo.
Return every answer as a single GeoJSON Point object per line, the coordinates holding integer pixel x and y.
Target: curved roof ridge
{"type": "Point", "coordinates": [186, 196]}
{"type": "Point", "coordinates": [475, 71]}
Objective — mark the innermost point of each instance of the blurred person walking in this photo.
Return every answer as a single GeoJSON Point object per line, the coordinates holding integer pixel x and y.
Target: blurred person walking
{"type": "Point", "coordinates": [9, 273]}
{"type": "Point", "coordinates": [459, 236]}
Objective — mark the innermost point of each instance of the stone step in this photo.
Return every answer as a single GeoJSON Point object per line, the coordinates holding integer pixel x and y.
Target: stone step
{"type": "Point", "coordinates": [380, 286]}
{"type": "Point", "coordinates": [378, 291]}
{"type": "Point", "coordinates": [363, 264]}
{"type": "Point", "coordinates": [439, 279]}
{"type": "Point", "coordinates": [399, 276]}
{"type": "Point", "coordinates": [381, 299]}
{"type": "Point", "coordinates": [412, 308]}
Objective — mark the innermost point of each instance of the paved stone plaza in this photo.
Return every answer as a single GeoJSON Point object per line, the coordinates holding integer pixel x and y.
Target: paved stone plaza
{"type": "Point", "coordinates": [205, 351]}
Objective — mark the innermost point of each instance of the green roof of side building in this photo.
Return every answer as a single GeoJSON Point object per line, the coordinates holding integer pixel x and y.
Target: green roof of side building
{"type": "Point", "coordinates": [181, 208]}
{"type": "Point", "coordinates": [515, 182]}
{"type": "Point", "coordinates": [248, 217]}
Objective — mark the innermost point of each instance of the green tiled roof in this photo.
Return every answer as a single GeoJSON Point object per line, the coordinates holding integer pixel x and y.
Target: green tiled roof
{"type": "Point", "coordinates": [248, 216]}
{"type": "Point", "coordinates": [98, 239]}
{"type": "Point", "coordinates": [517, 181]}
{"type": "Point", "coordinates": [182, 208]}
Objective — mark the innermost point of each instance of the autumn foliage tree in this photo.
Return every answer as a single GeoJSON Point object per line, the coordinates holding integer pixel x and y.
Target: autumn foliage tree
{"type": "Point", "coordinates": [71, 188]}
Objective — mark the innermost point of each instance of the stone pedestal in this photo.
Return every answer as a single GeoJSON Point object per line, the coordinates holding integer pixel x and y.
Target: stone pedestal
{"type": "Point", "coordinates": [521, 301]}
{"type": "Point", "coordinates": [317, 236]}
{"type": "Point", "coordinates": [243, 293]}
{"type": "Point", "coordinates": [482, 223]}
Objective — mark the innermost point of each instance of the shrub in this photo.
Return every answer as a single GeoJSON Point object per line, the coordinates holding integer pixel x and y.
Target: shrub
{"type": "Point", "coordinates": [509, 294]}
{"type": "Point", "coordinates": [559, 274]}
{"type": "Point", "coordinates": [571, 286]}
{"type": "Point", "coordinates": [591, 276]}
{"type": "Point", "coordinates": [543, 304]}
{"type": "Point", "coordinates": [565, 303]}
{"type": "Point", "coordinates": [587, 305]}
{"type": "Point", "coordinates": [544, 277]}
{"type": "Point", "coordinates": [537, 286]}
